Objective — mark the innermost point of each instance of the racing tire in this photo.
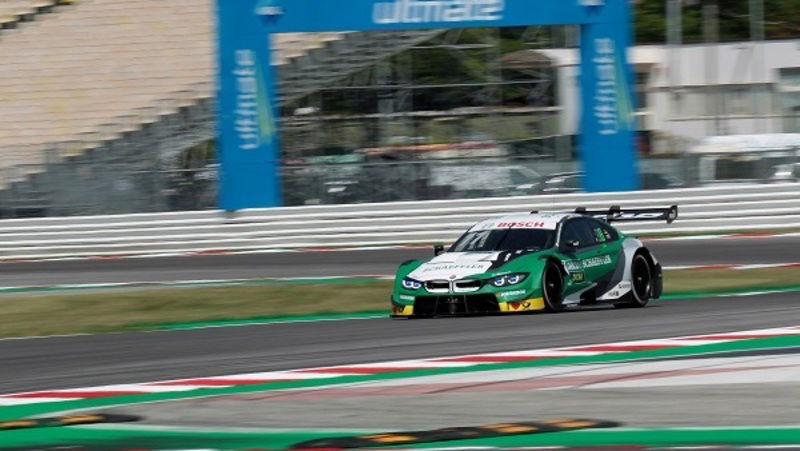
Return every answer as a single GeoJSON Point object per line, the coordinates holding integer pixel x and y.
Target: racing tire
{"type": "Point", "coordinates": [552, 288]}
{"type": "Point", "coordinates": [641, 283]}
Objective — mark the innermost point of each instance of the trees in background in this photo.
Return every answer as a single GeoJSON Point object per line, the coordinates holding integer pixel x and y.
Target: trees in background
{"type": "Point", "coordinates": [782, 19]}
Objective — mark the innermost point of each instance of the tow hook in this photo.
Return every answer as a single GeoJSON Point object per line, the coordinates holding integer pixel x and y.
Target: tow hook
{"type": "Point", "coordinates": [452, 305]}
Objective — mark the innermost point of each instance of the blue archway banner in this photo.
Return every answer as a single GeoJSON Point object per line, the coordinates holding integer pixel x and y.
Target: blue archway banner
{"type": "Point", "coordinates": [249, 146]}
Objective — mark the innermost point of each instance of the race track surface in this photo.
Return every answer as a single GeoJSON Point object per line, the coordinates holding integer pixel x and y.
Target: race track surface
{"type": "Point", "coordinates": [346, 263]}
{"type": "Point", "coordinates": [82, 361]}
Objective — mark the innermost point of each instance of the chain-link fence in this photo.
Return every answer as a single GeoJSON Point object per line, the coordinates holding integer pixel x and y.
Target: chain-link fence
{"type": "Point", "coordinates": [113, 188]}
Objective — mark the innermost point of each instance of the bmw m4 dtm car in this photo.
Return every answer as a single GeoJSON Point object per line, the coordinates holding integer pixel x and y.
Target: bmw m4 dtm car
{"type": "Point", "coordinates": [538, 261]}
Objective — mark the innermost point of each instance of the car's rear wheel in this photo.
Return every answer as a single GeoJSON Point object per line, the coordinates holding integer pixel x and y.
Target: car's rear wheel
{"type": "Point", "coordinates": [553, 288]}
{"type": "Point", "coordinates": [641, 283]}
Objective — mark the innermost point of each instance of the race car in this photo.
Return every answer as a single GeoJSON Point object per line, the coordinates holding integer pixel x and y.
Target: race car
{"type": "Point", "coordinates": [534, 262]}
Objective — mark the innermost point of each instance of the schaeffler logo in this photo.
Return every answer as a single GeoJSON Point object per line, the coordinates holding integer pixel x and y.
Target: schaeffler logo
{"type": "Point", "coordinates": [428, 11]}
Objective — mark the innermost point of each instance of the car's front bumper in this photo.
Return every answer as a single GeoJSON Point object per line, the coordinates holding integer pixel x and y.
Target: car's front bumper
{"type": "Point", "coordinates": [461, 305]}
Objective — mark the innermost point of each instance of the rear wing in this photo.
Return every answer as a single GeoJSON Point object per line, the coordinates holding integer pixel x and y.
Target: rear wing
{"type": "Point", "coordinates": [618, 214]}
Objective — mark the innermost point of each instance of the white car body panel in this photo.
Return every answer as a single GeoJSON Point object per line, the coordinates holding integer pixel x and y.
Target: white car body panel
{"type": "Point", "coordinates": [545, 221]}
{"type": "Point", "coordinates": [454, 265]}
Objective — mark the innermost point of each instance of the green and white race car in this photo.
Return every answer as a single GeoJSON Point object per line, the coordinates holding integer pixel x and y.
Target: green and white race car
{"type": "Point", "coordinates": [539, 261]}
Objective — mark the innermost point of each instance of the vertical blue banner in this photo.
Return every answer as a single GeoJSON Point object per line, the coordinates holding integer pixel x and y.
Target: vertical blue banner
{"type": "Point", "coordinates": [608, 122]}
{"type": "Point", "coordinates": [248, 147]}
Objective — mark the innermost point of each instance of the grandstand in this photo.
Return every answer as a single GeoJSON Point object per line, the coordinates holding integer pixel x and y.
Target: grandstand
{"type": "Point", "coordinates": [97, 94]}
{"type": "Point", "coordinates": [13, 13]}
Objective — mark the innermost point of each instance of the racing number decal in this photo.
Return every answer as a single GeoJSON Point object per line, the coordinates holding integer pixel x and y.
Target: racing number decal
{"type": "Point", "coordinates": [575, 270]}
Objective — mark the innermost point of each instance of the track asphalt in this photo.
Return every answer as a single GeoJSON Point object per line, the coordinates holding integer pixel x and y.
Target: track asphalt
{"type": "Point", "coordinates": [640, 394]}
{"type": "Point", "coordinates": [88, 360]}
{"type": "Point", "coordinates": [344, 263]}
{"type": "Point", "coordinates": [671, 393]}
{"type": "Point", "coordinates": [710, 398]}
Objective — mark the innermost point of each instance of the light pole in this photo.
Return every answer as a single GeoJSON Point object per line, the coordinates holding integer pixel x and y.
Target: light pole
{"type": "Point", "coordinates": [674, 42]}
{"type": "Point", "coordinates": [760, 96]}
{"type": "Point", "coordinates": [711, 39]}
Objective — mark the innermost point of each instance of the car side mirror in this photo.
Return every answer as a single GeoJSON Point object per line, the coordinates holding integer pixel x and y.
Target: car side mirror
{"type": "Point", "coordinates": [571, 246]}
{"type": "Point", "coordinates": [438, 250]}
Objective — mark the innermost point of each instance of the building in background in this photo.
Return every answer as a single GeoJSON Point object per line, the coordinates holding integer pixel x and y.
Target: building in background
{"type": "Point", "coordinates": [753, 88]}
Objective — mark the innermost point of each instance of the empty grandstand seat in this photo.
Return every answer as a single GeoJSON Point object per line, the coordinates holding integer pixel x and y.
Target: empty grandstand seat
{"type": "Point", "coordinates": [102, 62]}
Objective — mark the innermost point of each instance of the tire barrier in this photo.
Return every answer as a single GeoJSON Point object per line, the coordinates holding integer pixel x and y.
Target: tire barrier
{"type": "Point", "coordinates": [66, 420]}
{"type": "Point", "coordinates": [455, 433]}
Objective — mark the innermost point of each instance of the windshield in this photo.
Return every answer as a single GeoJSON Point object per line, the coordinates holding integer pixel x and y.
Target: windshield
{"type": "Point", "coordinates": [504, 240]}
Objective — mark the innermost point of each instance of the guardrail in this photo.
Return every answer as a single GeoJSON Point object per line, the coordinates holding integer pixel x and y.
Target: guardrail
{"type": "Point", "coordinates": [702, 210]}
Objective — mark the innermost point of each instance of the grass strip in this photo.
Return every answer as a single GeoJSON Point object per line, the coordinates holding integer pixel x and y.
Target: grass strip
{"type": "Point", "coordinates": [690, 281]}
{"type": "Point", "coordinates": [274, 301]}
{"type": "Point", "coordinates": [116, 310]}
{"type": "Point", "coordinates": [63, 289]}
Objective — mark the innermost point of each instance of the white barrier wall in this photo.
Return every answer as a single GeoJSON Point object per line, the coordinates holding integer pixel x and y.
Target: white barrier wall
{"type": "Point", "coordinates": [702, 210]}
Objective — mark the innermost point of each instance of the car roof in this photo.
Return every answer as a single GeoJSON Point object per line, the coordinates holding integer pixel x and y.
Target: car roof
{"type": "Point", "coordinates": [544, 221]}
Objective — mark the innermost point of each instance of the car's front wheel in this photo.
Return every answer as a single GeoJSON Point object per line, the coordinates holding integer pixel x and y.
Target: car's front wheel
{"type": "Point", "coordinates": [641, 283]}
{"type": "Point", "coordinates": [553, 288]}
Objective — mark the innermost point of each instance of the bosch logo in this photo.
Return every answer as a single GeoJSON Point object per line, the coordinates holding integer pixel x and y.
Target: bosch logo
{"type": "Point", "coordinates": [526, 225]}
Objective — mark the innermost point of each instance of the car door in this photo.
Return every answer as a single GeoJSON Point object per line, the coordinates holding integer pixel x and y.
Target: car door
{"type": "Point", "coordinates": [593, 257]}
{"type": "Point", "coordinates": [606, 251]}
{"type": "Point", "coordinates": [575, 232]}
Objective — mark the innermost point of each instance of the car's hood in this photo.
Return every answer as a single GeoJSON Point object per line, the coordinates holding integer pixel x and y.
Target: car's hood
{"type": "Point", "coordinates": [455, 265]}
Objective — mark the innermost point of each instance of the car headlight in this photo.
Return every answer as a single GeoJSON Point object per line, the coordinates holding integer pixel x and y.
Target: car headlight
{"type": "Point", "coordinates": [411, 284]}
{"type": "Point", "coordinates": [508, 279]}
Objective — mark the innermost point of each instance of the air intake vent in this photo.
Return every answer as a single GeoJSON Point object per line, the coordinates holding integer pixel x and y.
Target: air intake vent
{"type": "Point", "coordinates": [466, 286]}
{"type": "Point", "coordinates": [437, 286]}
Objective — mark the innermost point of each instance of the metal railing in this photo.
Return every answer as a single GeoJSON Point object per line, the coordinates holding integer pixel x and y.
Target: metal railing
{"type": "Point", "coordinates": [702, 210]}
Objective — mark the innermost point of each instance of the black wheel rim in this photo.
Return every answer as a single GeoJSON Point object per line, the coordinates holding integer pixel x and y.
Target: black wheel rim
{"type": "Point", "coordinates": [641, 278]}
{"type": "Point", "coordinates": [552, 286]}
